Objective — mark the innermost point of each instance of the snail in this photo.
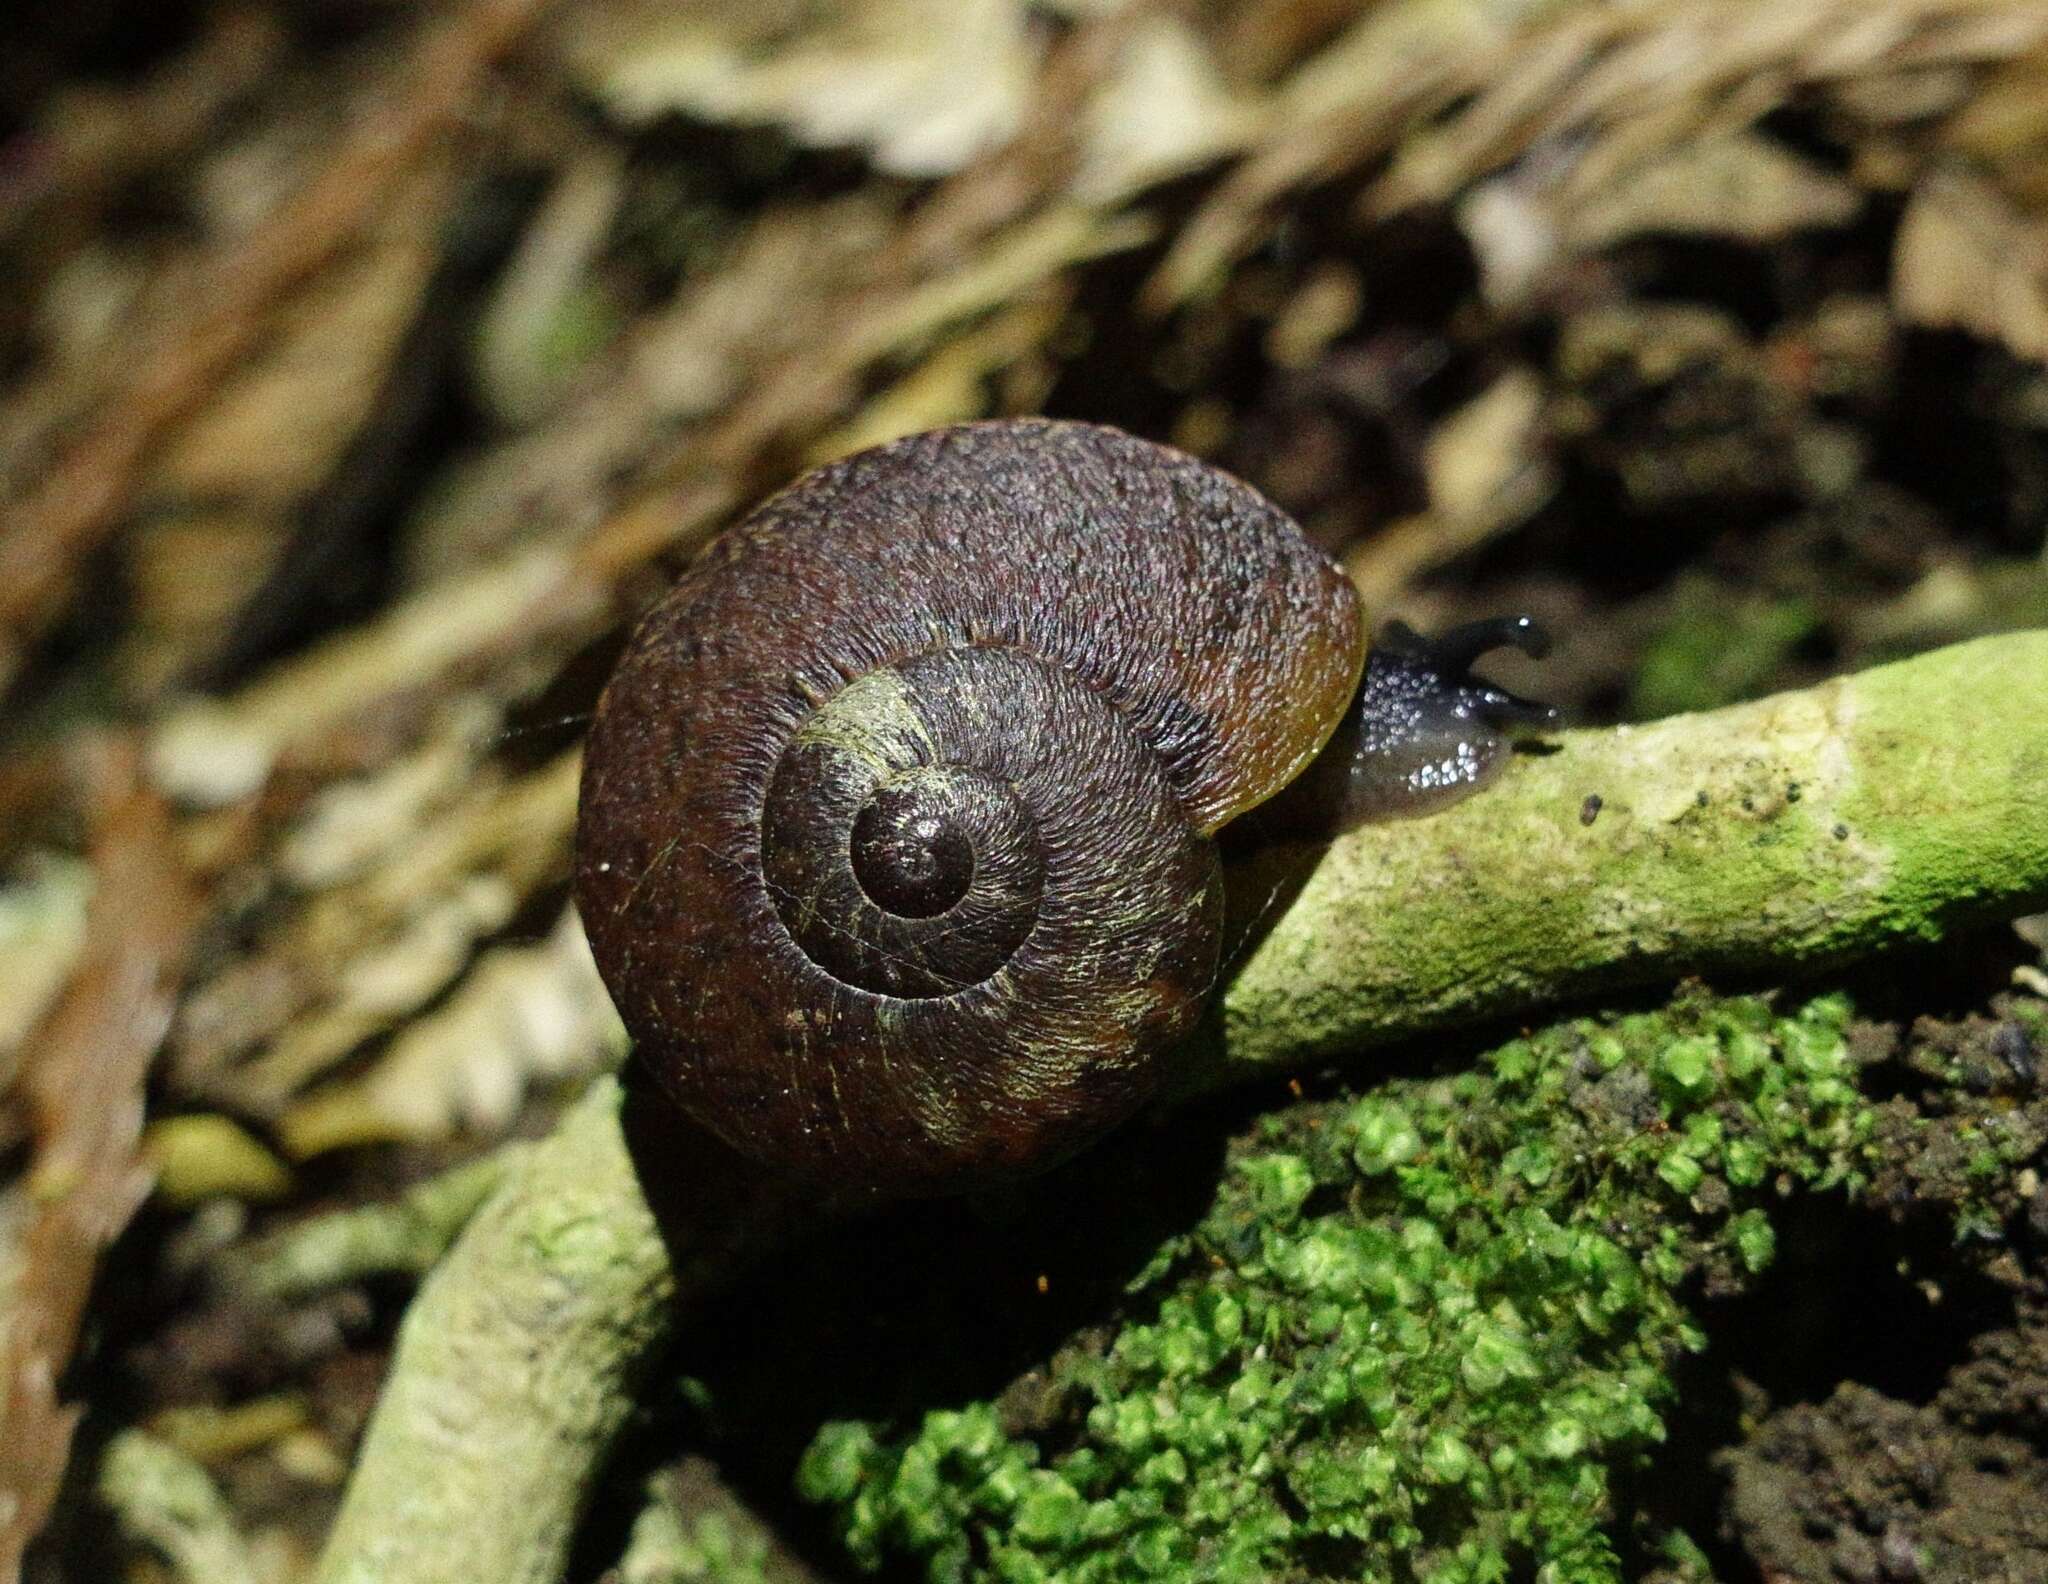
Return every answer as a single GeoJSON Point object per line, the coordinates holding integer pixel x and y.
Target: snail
{"type": "Point", "coordinates": [897, 838]}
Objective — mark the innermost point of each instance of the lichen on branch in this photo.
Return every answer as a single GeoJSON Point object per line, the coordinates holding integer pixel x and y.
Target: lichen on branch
{"type": "Point", "coordinates": [1803, 829]}
{"type": "Point", "coordinates": [515, 1368]}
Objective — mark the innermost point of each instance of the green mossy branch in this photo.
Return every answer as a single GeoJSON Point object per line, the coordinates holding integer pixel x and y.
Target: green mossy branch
{"type": "Point", "coordinates": [514, 1370]}
{"type": "Point", "coordinates": [1802, 829]}
{"type": "Point", "coordinates": [1805, 828]}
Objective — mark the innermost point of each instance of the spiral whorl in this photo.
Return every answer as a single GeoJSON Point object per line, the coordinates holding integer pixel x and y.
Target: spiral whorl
{"type": "Point", "coordinates": [895, 838]}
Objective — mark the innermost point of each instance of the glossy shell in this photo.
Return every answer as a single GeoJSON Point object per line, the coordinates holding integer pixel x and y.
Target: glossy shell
{"type": "Point", "coordinates": [894, 846]}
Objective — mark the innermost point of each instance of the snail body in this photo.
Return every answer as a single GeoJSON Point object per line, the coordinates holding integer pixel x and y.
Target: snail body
{"type": "Point", "coordinates": [896, 844]}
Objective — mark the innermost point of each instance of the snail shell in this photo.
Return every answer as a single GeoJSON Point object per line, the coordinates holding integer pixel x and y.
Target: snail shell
{"type": "Point", "coordinates": [895, 845]}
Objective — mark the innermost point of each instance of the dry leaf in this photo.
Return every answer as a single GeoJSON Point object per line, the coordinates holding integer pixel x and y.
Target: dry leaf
{"type": "Point", "coordinates": [210, 752]}
{"type": "Point", "coordinates": [359, 822]}
{"type": "Point", "coordinates": [1967, 258]}
{"type": "Point", "coordinates": [81, 1079]}
{"type": "Point", "coordinates": [1166, 110]}
{"type": "Point", "coordinates": [923, 85]}
{"type": "Point", "coordinates": [1486, 471]}
{"type": "Point", "coordinates": [209, 1156]}
{"type": "Point", "coordinates": [1743, 186]}
{"type": "Point", "coordinates": [952, 384]}
{"type": "Point", "coordinates": [525, 1013]}
{"type": "Point", "coordinates": [349, 962]}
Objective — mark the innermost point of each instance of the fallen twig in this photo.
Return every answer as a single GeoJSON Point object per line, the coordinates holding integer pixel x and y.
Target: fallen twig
{"type": "Point", "coordinates": [82, 1077]}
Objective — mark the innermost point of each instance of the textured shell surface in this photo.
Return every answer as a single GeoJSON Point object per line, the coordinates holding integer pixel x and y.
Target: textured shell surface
{"type": "Point", "coordinates": [895, 838]}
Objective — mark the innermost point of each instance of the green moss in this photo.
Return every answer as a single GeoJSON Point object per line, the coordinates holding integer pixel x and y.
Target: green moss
{"type": "Point", "coordinates": [1414, 1337]}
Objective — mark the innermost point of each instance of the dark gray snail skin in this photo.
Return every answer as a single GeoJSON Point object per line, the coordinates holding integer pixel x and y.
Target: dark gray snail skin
{"type": "Point", "coordinates": [1420, 734]}
{"type": "Point", "coordinates": [898, 838]}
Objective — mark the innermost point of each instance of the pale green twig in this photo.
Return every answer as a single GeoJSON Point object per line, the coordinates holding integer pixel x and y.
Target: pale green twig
{"type": "Point", "coordinates": [1802, 829]}
{"type": "Point", "coordinates": [166, 1500]}
{"type": "Point", "coordinates": [405, 1237]}
{"type": "Point", "coordinates": [514, 1370]}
